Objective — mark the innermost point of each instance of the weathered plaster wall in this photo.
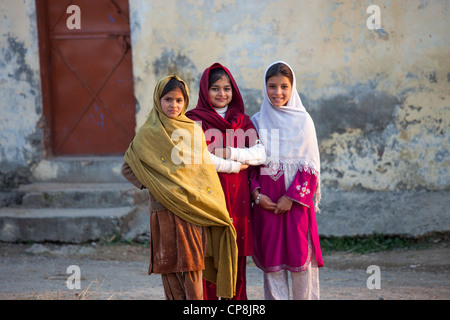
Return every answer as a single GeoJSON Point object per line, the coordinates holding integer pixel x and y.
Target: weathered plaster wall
{"type": "Point", "coordinates": [380, 98]}
{"type": "Point", "coordinates": [20, 93]}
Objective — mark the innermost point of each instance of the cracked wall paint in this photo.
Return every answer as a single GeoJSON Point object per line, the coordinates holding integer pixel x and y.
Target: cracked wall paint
{"type": "Point", "coordinates": [20, 104]}
{"type": "Point", "coordinates": [379, 98]}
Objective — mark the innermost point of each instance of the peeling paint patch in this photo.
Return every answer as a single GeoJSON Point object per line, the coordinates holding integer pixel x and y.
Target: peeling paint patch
{"type": "Point", "coordinates": [11, 176]}
{"type": "Point", "coordinates": [362, 109]}
{"type": "Point", "coordinates": [21, 137]}
{"type": "Point", "coordinates": [24, 87]}
{"type": "Point", "coordinates": [16, 49]}
{"type": "Point", "coordinates": [410, 153]}
{"type": "Point", "coordinates": [382, 34]}
{"type": "Point", "coordinates": [252, 100]}
{"type": "Point", "coordinates": [432, 77]}
{"type": "Point", "coordinates": [176, 63]}
{"type": "Point", "coordinates": [46, 171]}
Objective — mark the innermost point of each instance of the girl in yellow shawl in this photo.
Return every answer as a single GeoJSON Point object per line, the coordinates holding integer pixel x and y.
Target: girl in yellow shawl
{"type": "Point", "coordinates": [191, 233]}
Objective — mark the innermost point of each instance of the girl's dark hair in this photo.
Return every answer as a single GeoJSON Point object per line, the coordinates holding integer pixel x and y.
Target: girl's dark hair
{"type": "Point", "coordinates": [280, 68]}
{"type": "Point", "coordinates": [216, 74]}
{"type": "Point", "coordinates": [174, 84]}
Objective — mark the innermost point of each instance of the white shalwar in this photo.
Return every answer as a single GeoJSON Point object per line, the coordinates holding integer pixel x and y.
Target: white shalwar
{"type": "Point", "coordinates": [305, 284]}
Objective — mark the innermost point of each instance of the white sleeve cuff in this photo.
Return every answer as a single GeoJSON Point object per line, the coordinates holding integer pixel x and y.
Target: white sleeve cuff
{"type": "Point", "coordinates": [223, 165]}
{"type": "Point", "coordinates": [255, 155]}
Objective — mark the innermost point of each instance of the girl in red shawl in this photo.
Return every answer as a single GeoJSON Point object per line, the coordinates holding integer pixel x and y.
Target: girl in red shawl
{"type": "Point", "coordinates": [233, 145]}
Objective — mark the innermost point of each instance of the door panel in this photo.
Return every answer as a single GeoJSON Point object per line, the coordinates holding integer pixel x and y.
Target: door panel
{"type": "Point", "coordinates": [90, 105]}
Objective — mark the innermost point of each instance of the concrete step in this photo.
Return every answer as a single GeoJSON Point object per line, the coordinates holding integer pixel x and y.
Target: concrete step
{"type": "Point", "coordinates": [74, 200]}
{"type": "Point", "coordinates": [79, 195]}
{"type": "Point", "coordinates": [62, 225]}
{"type": "Point", "coordinates": [79, 169]}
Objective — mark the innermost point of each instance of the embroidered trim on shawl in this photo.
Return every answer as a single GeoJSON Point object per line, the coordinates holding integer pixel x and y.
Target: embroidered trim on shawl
{"type": "Point", "coordinates": [276, 165]}
{"type": "Point", "coordinates": [285, 266]}
{"type": "Point", "coordinates": [275, 169]}
{"type": "Point", "coordinates": [297, 201]}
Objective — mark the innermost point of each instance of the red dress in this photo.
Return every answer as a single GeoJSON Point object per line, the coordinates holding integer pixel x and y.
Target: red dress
{"type": "Point", "coordinates": [235, 185]}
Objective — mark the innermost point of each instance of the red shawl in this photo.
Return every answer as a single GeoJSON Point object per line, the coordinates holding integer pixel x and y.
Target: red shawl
{"type": "Point", "coordinates": [235, 185]}
{"type": "Point", "coordinates": [235, 118]}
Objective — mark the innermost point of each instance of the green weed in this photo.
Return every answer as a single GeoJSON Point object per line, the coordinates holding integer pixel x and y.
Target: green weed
{"type": "Point", "coordinates": [373, 243]}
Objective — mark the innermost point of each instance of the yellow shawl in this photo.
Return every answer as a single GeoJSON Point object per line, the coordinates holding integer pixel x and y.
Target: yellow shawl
{"type": "Point", "coordinates": [190, 188]}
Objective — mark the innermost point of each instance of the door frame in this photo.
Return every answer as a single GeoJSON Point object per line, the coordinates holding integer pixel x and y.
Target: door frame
{"type": "Point", "coordinates": [45, 65]}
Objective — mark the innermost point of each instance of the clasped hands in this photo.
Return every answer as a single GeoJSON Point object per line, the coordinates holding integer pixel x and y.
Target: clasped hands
{"type": "Point", "coordinates": [283, 204]}
{"type": "Point", "coordinates": [225, 153]}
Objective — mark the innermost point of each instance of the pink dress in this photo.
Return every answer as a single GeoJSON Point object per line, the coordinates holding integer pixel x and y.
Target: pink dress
{"type": "Point", "coordinates": [285, 241]}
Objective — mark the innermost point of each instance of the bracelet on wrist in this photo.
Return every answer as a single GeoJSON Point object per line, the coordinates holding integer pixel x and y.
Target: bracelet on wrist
{"type": "Point", "coordinates": [257, 198]}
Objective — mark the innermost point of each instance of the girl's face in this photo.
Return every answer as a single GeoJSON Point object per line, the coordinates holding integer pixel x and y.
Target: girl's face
{"type": "Point", "coordinates": [279, 90]}
{"type": "Point", "coordinates": [172, 103]}
{"type": "Point", "coordinates": [220, 93]}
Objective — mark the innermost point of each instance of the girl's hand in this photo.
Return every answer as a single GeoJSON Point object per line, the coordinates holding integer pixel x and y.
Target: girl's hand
{"type": "Point", "coordinates": [283, 205]}
{"type": "Point", "coordinates": [264, 201]}
{"type": "Point", "coordinates": [243, 166]}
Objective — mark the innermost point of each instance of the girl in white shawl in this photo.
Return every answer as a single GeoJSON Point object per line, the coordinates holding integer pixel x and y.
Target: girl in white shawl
{"type": "Point", "coordinates": [286, 190]}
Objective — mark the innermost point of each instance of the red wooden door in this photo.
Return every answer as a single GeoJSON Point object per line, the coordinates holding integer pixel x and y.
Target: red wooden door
{"type": "Point", "coordinates": [89, 105]}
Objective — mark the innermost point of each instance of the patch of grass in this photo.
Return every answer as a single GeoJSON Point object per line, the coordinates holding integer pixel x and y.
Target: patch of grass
{"type": "Point", "coordinates": [114, 239]}
{"type": "Point", "coordinates": [373, 243]}
{"type": "Point", "coordinates": [117, 239]}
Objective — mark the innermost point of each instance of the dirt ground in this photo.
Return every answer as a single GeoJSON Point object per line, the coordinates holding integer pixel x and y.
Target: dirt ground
{"type": "Point", "coordinates": [119, 272]}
